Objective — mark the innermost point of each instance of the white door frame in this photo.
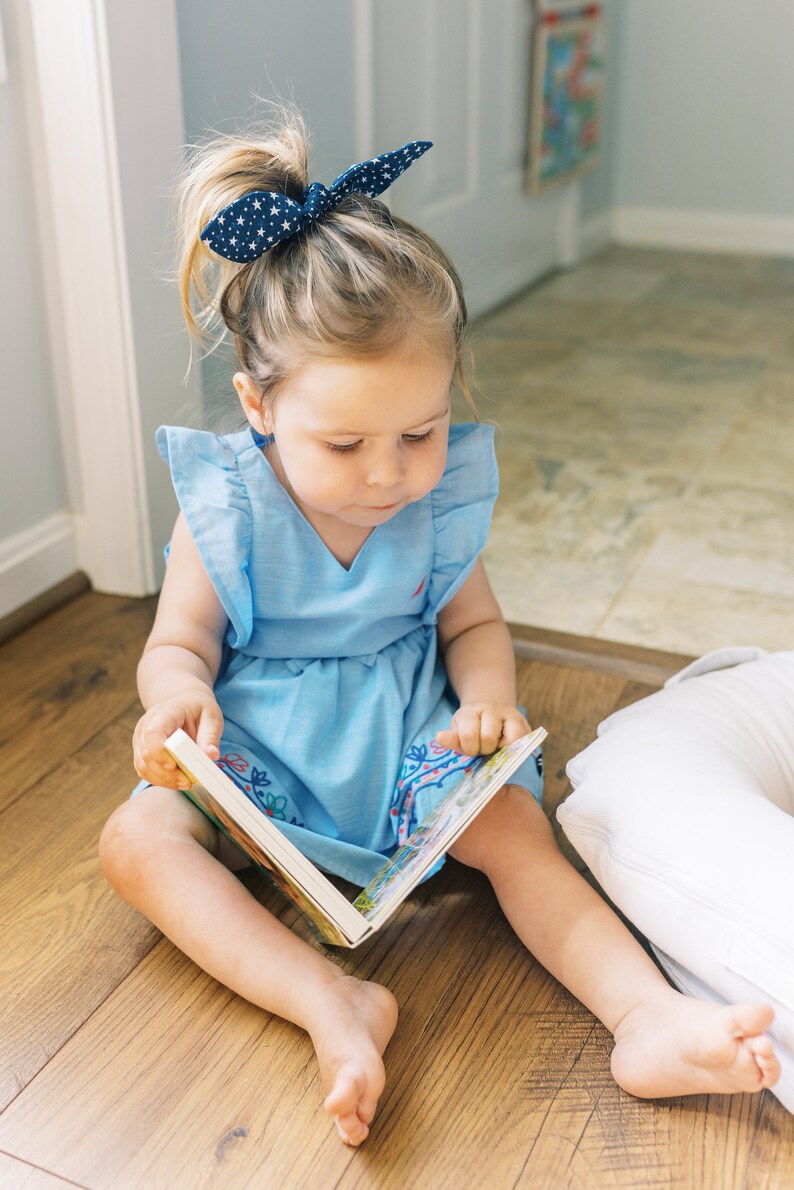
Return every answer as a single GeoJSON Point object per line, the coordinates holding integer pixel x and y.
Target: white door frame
{"type": "Point", "coordinates": [364, 47]}
{"type": "Point", "coordinates": [69, 101]}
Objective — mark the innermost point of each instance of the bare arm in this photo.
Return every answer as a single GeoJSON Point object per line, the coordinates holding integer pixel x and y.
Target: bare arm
{"type": "Point", "coordinates": [480, 664]}
{"type": "Point", "coordinates": [180, 663]}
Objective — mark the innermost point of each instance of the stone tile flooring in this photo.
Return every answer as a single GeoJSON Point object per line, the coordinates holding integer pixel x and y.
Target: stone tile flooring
{"type": "Point", "coordinates": [645, 411]}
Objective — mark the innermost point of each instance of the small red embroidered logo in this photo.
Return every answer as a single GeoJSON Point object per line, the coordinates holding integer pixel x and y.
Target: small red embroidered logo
{"type": "Point", "coordinates": [418, 589]}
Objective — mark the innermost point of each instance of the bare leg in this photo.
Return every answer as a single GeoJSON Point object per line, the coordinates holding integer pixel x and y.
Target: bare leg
{"type": "Point", "coordinates": [164, 857]}
{"type": "Point", "coordinates": [666, 1043]}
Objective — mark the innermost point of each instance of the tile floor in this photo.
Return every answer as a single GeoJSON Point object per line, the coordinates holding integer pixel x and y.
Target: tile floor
{"type": "Point", "coordinates": [645, 412]}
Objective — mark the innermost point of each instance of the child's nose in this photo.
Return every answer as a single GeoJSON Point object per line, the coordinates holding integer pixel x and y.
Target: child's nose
{"type": "Point", "coordinates": [385, 468]}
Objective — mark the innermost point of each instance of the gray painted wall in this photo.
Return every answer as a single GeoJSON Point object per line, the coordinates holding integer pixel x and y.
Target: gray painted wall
{"type": "Point", "coordinates": [706, 102]}
{"type": "Point", "coordinates": [235, 55]}
{"type": "Point", "coordinates": [598, 186]}
{"type": "Point", "coordinates": [34, 484]}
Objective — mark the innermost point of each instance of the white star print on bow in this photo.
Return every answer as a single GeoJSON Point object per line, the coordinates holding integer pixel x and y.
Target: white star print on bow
{"type": "Point", "coordinates": [257, 227]}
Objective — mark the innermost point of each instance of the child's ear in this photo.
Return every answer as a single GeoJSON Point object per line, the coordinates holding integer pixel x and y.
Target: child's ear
{"type": "Point", "coordinates": [253, 406]}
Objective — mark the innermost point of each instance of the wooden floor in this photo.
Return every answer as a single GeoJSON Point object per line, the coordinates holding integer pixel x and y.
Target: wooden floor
{"type": "Point", "coordinates": [123, 1065]}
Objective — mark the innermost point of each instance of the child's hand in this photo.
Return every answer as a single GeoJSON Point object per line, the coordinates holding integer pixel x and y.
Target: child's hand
{"type": "Point", "coordinates": [197, 714]}
{"type": "Point", "coordinates": [482, 727]}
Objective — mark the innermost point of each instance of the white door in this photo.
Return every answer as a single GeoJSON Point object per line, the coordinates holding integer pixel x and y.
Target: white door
{"type": "Point", "coordinates": [457, 72]}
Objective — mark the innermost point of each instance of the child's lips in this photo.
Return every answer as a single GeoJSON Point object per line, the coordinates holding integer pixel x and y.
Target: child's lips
{"type": "Point", "coordinates": [384, 507]}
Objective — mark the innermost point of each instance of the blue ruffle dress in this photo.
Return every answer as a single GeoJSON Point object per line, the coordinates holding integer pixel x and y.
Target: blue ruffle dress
{"type": "Point", "coordinates": [331, 685]}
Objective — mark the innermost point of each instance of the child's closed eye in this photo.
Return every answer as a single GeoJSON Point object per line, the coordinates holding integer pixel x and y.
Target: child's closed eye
{"type": "Point", "coordinates": [419, 437]}
{"type": "Point", "coordinates": [347, 448]}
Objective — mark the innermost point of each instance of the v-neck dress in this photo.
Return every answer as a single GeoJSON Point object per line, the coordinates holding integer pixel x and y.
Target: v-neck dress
{"type": "Point", "coordinates": [331, 684]}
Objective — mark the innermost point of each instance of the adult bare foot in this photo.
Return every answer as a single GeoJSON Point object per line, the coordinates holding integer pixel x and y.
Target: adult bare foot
{"type": "Point", "coordinates": [357, 1022]}
{"type": "Point", "coordinates": [674, 1045]}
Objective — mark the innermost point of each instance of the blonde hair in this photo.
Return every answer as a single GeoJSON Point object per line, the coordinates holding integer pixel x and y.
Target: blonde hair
{"type": "Point", "coordinates": [360, 282]}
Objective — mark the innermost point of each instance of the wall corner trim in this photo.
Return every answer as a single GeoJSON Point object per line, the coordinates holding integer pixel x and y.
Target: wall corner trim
{"type": "Point", "coordinates": [70, 62]}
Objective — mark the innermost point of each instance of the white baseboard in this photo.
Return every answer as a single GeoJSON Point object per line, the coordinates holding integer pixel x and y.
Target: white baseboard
{"type": "Point", "coordinates": [704, 231]}
{"type": "Point", "coordinates": [35, 560]}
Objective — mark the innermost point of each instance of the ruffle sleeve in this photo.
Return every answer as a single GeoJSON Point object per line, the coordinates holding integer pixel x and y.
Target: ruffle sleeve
{"type": "Point", "coordinates": [462, 505]}
{"type": "Point", "coordinates": [214, 499]}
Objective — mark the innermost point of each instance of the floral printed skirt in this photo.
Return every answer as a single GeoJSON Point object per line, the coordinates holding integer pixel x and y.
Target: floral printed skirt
{"type": "Point", "coordinates": [426, 772]}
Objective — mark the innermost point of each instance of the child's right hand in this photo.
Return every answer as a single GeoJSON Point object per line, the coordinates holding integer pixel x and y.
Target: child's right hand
{"type": "Point", "coordinates": [196, 713]}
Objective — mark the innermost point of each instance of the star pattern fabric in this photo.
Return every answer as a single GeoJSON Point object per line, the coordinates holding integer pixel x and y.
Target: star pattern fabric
{"type": "Point", "coordinates": [254, 223]}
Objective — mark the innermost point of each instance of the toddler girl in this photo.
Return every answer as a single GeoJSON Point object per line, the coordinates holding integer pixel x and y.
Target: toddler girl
{"type": "Point", "coordinates": [326, 631]}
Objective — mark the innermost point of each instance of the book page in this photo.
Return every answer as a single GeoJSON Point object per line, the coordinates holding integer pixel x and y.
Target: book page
{"type": "Point", "coordinates": [441, 828]}
{"type": "Point", "coordinates": [326, 908]}
{"type": "Point", "coordinates": [319, 921]}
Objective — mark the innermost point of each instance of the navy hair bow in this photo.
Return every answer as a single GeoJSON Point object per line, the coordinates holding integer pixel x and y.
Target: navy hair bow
{"type": "Point", "coordinates": [252, 224]}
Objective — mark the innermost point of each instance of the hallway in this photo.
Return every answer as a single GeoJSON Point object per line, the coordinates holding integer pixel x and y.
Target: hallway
{"type": "Point", "coordinates": [646, 450]}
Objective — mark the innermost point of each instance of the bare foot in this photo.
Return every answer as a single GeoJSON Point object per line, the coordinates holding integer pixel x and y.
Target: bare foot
{"type": "Point", "coordinates": [357, 1023]}
{"type": "Point", "coordinates": [675, 1045]}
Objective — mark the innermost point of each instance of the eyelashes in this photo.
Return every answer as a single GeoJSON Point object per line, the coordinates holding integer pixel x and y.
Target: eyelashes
{"type": "Point", "coordinates": [351, 447]}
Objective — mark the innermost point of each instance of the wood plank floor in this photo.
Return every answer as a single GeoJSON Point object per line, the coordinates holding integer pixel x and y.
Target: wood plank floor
{"type": "Point", "coordinates": [123, 1065]}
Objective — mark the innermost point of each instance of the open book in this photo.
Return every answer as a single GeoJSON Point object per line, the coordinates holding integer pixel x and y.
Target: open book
{"type": "Point", "coordinates": [335, 919]}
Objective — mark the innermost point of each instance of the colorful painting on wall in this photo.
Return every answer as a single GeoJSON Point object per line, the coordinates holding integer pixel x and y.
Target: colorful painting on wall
{"type": "Point", "coordinates": [565, 116]}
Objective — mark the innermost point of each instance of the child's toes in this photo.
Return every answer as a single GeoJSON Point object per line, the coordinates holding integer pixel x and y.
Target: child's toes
{"type": "Point", "coordinates": [351, 1129]}
{"type": "Point", "coordinates": [765, 1059]}
{"type": "Point", "coordinates": [750, 1020]}
{"type": "Point", "coordinates": [368, 1105]}
{"type": "Point", "coordinates": [344, 1095]}
{"type": "Point", "coordinates": [343, 1102]}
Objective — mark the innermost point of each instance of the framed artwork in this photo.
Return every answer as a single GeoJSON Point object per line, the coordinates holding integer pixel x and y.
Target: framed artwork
{"type": "Point", "coordinates": [567, 88]}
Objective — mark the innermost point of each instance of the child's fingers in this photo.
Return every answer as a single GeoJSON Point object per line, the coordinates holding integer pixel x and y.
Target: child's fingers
{"type": "Point", "coordinates": [153, 764]}
{"type": "Point", "coordinates": [467, 723]}
{"type": "Point", "coordinates": [151, 760]}
{"type": "Point", "coordinates": [157, 772]}
{"type": "Point", "coordinates": [210, 730]}
{"type": "Point", "coordinates": [149, 751]}
{"type": "Point", "coordinates": [156, 726]}
{"type": "Point", "coordinates": [448, 739]}
{"type": "Point", "coordinates": [473, 732]}
{"type": "Point", "coordinates": [481, 728]}
{"type": "Point", "coordinates": [514, 729]}
{"type": "Point", "coordinates": [491, 725]}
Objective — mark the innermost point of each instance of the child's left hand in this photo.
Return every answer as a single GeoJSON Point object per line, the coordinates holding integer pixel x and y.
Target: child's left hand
{"type": "Point", "coordinates": [482, 727]}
